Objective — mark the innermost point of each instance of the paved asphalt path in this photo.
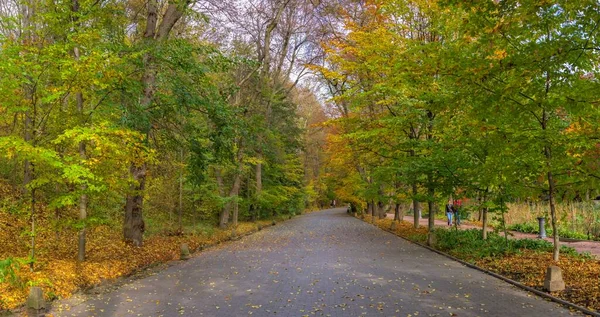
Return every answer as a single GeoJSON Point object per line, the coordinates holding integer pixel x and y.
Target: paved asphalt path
{"type": "Point", "coordinates": [319, 264]}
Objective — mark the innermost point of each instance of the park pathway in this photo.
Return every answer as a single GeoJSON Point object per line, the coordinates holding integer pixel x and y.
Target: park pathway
{"type": "Point", "coordinates": [319, 264]}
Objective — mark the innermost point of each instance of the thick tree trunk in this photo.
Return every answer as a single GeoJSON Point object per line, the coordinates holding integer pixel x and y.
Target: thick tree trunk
{"type": "Point", "coordinates": [235, 188]}
{"type": "Point", "coordinates": [224, 216]}
{"type": "Point", "coordinates": [373, 208]}
{"type": "Point", "coordinates": [397, 212]}
{"type": "Point", "coordinates": [133, 226]}
{"type": "Point", "coordinates": [380, 210]}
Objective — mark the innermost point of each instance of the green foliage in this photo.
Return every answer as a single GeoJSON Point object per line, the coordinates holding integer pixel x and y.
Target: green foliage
{"type": "Point", "coordinates": [8, 267]}
{"type": "Point", "coordinates": [468, 243]}
{"type": "Point", "coordinates": [534, 228]}
{"type": "Point", "coordinates": [524, 227]}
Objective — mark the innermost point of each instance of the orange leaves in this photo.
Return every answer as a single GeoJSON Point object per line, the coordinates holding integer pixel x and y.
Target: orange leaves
{"type": "Point", "coordinates": [580, 275]}
{"type": "Point", "coordinates": [108, 257]}
{"type": "Point", "coordinates": [403, 228]}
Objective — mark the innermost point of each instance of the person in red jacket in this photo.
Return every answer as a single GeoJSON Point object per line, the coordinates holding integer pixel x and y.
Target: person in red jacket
{"type": "Point", "coordinates": [457, 207]}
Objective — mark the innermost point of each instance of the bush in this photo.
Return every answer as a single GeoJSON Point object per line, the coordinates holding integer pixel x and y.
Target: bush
{"type": "Point", "coordinates": [524, 227]}
{"type": "Point", "coordinates": [7, 271]}
{"type": "Point", "coordinates": [533, 228]}
{"type": "Point", "coordinates": [468, 244]}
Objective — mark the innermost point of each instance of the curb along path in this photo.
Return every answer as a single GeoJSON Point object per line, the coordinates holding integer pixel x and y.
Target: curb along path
{"type": "Point", "coordinates": [503, 278]}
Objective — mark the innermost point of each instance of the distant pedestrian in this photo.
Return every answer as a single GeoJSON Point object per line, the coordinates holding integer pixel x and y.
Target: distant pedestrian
{"type": "Point", "coordinates": [449, 211]}
{"type": "Point", "coordinates": [457, 208]}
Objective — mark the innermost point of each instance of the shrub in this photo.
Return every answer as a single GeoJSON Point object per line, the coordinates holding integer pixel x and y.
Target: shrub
{"type": "Point", "coordinates": [469, 245]}
{"type": "Point", "coordinates": [524, 227]}
{"type": "Point", "coordinates": [7, 271]}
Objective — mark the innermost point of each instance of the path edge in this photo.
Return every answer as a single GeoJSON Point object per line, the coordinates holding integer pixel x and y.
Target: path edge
{"type": "Point", "coordinates": [496, 275]}
{"type": "Point", "coordinates": [140, 272]}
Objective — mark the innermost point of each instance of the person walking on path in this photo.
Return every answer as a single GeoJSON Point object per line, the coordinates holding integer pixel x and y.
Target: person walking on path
{"type": "Point", "coordinates": [457, 206]}
{"type": "Point", "coordinates": [449, 211]}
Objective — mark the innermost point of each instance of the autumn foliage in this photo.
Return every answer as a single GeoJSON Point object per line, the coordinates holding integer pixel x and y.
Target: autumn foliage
{"type": "Point", "coordinates": [60, 274]}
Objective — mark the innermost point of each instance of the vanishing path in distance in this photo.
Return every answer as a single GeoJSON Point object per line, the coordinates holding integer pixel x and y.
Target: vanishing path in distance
{"type": "Point", "coordinates": [319, 264]}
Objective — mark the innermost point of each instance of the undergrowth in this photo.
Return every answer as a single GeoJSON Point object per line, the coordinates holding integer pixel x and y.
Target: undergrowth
{"type": "Point", "coordinates": [468, 245]}
{"type": "Point", "coordinates": [534, 228]}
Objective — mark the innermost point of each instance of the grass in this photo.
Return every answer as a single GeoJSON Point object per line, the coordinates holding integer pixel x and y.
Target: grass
{"type": "Point", "coordinates": [562, 232]}
{"type": "Point", "coordinates": [577, 220]}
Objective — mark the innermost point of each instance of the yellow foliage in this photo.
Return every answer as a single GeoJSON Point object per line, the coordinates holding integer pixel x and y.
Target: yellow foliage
{"type": "Point", "coordinates": [498, 55]}
{"type": "Point", "coordinates": [108, 257]}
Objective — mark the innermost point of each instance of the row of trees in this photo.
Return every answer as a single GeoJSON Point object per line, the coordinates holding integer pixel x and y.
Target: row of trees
{"type": "Point", "coordinates": [113, 108]}
{"type": "Point", "coordinates": [487, 99]}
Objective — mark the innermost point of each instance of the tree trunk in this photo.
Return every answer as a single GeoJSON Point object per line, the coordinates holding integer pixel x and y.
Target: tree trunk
{"type": "Point", "coordinates": [416, 205]}
{"type": "Point", "coordinates": [483, 213]}
{"type": "Point", "coordinates": [83, 203]}
{"type": "Point", "coordinates": [32, 220]}
{"type": "Point", "coordinates": [28, 173]}
{"type": "Point", "coordinates": [258, 175]}
{"type": "Point", "coordinates": [381, 210]}
{"type": "Point", "coordinates": [180, 205]}
{"type": "Point", "coordinates": [133, 226]}
{"type": "Point", "coordinates": [27, 13]}
{"type": "Point", "coordinates": [235, 188]}
{"type": "Point", "coordinates": [224, 217]}
{"type": "Point", "coordinates": [83, 198]}
{"type": "Point", "coordinates": [555, 238]}
{"type": "Point", "coordinates": [480, 214]}
{"type": "Point", "coordinates": [234, 219]}
{"type": "Point", "coordinates": [397, 212]}
{"type": "Point", "coordinates": [431, 218]}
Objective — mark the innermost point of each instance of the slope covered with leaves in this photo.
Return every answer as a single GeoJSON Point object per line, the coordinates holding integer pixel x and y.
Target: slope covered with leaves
{"type": "Point", "coordinates": [108, 256]}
